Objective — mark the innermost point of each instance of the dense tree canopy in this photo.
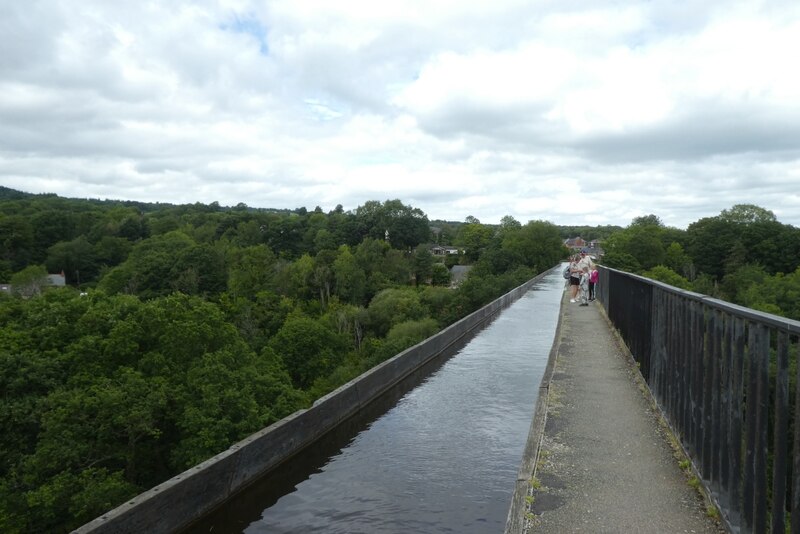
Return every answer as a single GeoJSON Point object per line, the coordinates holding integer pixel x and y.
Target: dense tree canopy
{"type": "Point", "coordinates": [740, 255]}
{"type": "Point", "coordinates": [185, 328]}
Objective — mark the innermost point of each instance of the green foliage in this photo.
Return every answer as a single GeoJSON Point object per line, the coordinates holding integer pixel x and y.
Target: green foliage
{"type": "Point", "coordinates": [741, 255]}
{"type": "Point", "coordinates": [422, 262]}
{"type": "Point", "coordinates": [410, 333]}
{"type": "Point", "coordinates": [440, 275]}
{"type": "Point", "coordinates": [668, 276]}
{"type": "Point", "coordinates": [676, 259]}
{"type": "Point", "coordinates": [735, 284]}
{"type": "Point", "coordinates": [407, 226]}
{"type": "Point", "coordinates": [779, 294]}
{"type": "Point", "coordinates": [350, 279]}
{"type": "Point", "coordinates": [439, 301]}
{"type": "Point", "coordinates": [621, 261]}
{"type": "Point", "coordinates": [474, 238]}
{"type": "Point", "coordinates": [251, 271]}
{"type": "Point", "coordinates": [108, 396]}
{"type": "Point", "coordinates": [309, 348]}
{"type": "Point", "coordinates": [295, 279]}
{"type": "Point", "coordinates": [706, 285]}
{"type": "Point", "coordinates": [383, 266]}
{"type": "Point", "coordinates": [75, 258]}
{"type": "Point", "coordinates": [29, 281]}
{"type": "Point", "coordinates": [536, 245]}
{"type": "Point", "coordinates": [393, 306]}
{"type": "Point", "coordinates": [147, 271]}
{"type": "Point", "coordinates": [747, 214]}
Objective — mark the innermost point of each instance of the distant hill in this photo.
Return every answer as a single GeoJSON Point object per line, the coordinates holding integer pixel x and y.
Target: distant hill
{"type": "Point", "coordinates": [7, 193]}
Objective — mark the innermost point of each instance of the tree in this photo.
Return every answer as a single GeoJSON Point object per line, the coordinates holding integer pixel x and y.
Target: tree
{"type": "Point", "coordinates": [474, 238]}
{"type": "Point", "coordinates": [676, 259]}
{"type": "Point", "coordinates": [709, 243]}
{"type": "Point", "coordinates": [252, 270]}
{"type": "Point", "coordinates": [393, 306]}
{"type": "Point", "coordinates": [75, 258]}
{"type": "Point", "coordinates": [350, 279]}
{"type": "Point", "coordinates": [778, 294]}
{"type": "Point", "coordinates": [150, 267]}
{"type": "Point", "coordinates": [440, 275]}
{"type": "Point", "coordinates": [16, 241]}
{"type": "Point", "coordinates": [199, 269]}
{"type": "Point", "coordinates": [647, 220]}
{"type": "Point", "coordinates": [736, 284]}
{"type": "Point", "coordinates": [309, 349]}
{"type": "Point", "coordinates": [29, 281]}
{"type": "Point", "coordinates": [407, 226]}
{"type": "Point", "coordinates": [537, 245]}
{"type": "Point", "coordinates": [422, 262]}
{"type": "Point", "coordinates": [409, 333]}
{"type": "Point", "coordinates": [640, 246]}
{"type": "Point", "coordinates": [295, 279]}
{"type": "Point", "coordinates": [111, 251]}
{"type": "Point", "coordinates": [747, 214]}
{"type": "Point", "coordinates": [668, 276]}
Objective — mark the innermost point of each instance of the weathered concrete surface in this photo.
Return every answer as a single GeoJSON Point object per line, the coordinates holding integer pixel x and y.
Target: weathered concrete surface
{"type": "Point", "coordinates": [603, 459]}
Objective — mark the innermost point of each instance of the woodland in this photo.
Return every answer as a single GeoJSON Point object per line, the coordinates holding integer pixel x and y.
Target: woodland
{"type": "Point", "coordinates": [184, 328]}
{"type": "Point", "coordinates": [744, 255]}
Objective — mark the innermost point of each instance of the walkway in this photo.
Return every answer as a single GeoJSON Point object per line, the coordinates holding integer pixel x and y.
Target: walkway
{"type": "Point", "coordinates": [604, 461]}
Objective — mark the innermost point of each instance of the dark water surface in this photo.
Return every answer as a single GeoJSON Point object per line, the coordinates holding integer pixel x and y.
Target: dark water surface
{"type": "Point", "coordinates": [441, 457]}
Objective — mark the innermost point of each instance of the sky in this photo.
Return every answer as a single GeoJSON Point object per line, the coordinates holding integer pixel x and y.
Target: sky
{"type": "Point", "coordinates": [577, 113]}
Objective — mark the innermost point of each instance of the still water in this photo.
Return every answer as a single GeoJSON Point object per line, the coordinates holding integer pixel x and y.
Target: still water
{"type": "Point", "coordinates": [441, 457]}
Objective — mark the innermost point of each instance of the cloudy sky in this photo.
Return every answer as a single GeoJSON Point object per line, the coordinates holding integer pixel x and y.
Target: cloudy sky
{"type": "Point", "coordinates": [582, 112]}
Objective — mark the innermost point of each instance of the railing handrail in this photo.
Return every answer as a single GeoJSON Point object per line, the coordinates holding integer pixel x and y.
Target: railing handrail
{"type": "Point", "coordinates": [776, 321]}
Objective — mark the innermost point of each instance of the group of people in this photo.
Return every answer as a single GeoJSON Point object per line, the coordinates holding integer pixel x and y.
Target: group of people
{"type": "Point", "coordinates": [583, 277]}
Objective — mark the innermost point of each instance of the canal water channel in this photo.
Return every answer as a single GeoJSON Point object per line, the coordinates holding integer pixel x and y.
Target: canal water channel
{"type": "Point", "coordinates": [439, 453]}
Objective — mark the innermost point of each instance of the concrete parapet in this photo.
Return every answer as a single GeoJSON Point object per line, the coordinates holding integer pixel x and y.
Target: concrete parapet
{"type": "Point", "coordinates": [181, 500]}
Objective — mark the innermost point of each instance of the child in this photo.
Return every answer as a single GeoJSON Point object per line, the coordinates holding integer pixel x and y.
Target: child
{"type": "Point", "coordinates": [584, 285]}
{"type": "Point", "coordinates": [594, 276]}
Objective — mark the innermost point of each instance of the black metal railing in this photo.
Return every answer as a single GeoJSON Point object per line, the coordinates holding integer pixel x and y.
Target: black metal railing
{"type": "Point", "coordinates": [726, 380]}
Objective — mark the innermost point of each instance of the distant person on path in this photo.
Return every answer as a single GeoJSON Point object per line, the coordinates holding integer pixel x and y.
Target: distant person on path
{"type": "Point", "coordinates": [584, 285]}
{"type": "Point", "coordinates": [594, 276]}
{"type": "Point", "coordinates": [585, 261]}
{"type": "Point", "coordinates": [574, 278]}
{"type": "Point", "coordinates": [579, 261]}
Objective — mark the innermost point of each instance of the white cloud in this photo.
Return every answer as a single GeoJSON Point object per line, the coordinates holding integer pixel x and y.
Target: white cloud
{"type": "Point", "coordinates": [573, 113]}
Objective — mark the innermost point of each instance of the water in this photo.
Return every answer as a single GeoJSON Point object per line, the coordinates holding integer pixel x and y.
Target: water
{"type": "Point", "coordinates": [443, 457]}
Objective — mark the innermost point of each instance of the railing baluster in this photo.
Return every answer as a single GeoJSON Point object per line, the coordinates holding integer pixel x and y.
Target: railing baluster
{"type": "Point", "coordinates": [708, 376]}
{"type": "Point", "coordinates": [760, 334]}
{"type": "Point", "coordinates": [736, 341]}
{"type": "Point", "coordinates": [715, 338]}
{"type": "Point", "coordinates": [795, 518]}
{"type": "Point", "coordinates": [780, 445]}
{"type": "Point", "coordinates": [750, 430]}
{"type": "Point", "coordinates": [698, 371]}
{"type": "Point", "coordinates": [686, 371]}
{"type": "Point", "coordinates": [725, 407]}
